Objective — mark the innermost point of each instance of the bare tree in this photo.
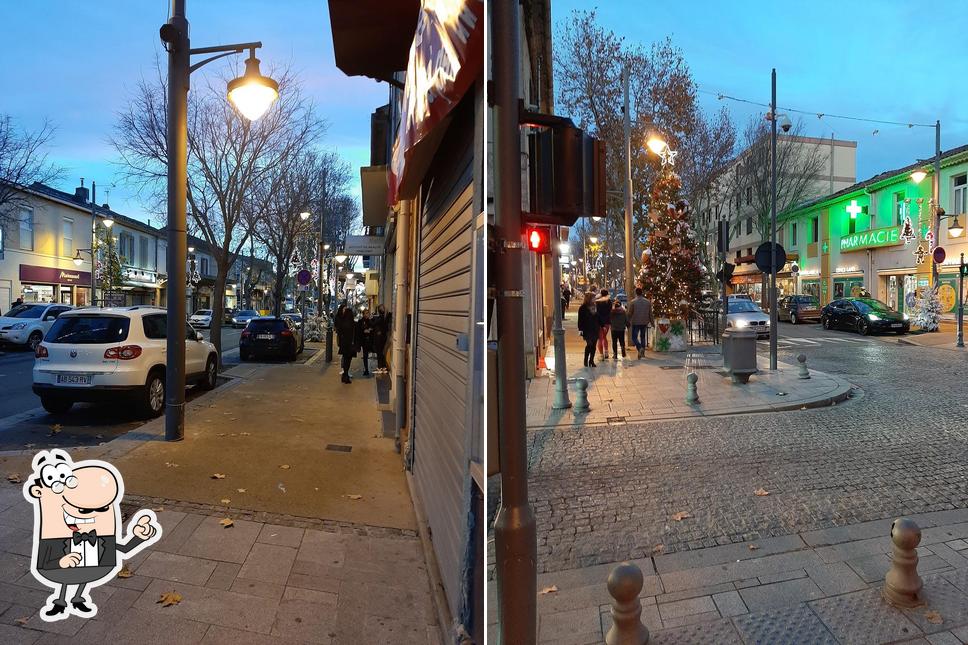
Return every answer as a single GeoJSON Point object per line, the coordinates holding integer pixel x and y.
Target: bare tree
{"type": "Point", "coordinates": [23, 161]}
{"type": "Point", "coordinates": [588, 67]}
{"type": "Point", "coordinates": [231, 161]}
{"type": "Point", "coordinates": [798, 166]}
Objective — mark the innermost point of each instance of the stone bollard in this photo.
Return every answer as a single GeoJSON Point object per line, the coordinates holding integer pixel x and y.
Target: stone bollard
{"type": "Point", "coordinates": [624, 585]}
{"type": "Point", "coordinates": [581, 396]}
{"type": "Point", "coordinates": [902, 584]}
{"type": "Point", "coordinates": [692, 395]}
{"type": "Point", "coordinates": [804, 372]}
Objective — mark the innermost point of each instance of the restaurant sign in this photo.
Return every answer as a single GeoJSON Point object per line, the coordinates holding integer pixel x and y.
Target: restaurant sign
{"type": "Point", "coordinates": [888, 236]}
{"type": "Point", "coordinates": [53, 275]}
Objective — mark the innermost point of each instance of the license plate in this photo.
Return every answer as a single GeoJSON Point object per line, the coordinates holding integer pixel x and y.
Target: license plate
{"type": "Point", "coordinates": [265, 336]}
{"type": "Point", "coordinates": [897, 325]}
{"type": "Point", "coordinates": [74, 379]}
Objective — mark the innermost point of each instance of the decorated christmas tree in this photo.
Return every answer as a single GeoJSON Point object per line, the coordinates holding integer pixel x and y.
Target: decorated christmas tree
{"type": "Point", "coordinates": [928, 316]}
{"type": "Point", "coordinates": [671, 274]}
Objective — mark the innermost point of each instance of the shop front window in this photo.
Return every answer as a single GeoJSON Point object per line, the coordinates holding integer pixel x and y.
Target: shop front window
{"type": "Point", "coordinates": [38, 293]}
{"type": "Point", "coordinates": [959, 195]}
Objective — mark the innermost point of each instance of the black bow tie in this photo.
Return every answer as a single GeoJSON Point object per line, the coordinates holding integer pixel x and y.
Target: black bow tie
{"type": "Point", "coordinates": [90, 536]}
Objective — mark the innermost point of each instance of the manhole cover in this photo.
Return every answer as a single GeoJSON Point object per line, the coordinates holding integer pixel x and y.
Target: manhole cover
{"type": "Point", "coordinates": [338, 448]}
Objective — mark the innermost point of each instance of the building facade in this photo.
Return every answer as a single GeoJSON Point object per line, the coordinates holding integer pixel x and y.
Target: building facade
{"type": "Point", "coordinates": [856, 241]}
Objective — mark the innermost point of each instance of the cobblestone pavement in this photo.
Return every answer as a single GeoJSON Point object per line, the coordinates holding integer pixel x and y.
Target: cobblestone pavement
{"type": "Point", "coordinates": [609, 493]}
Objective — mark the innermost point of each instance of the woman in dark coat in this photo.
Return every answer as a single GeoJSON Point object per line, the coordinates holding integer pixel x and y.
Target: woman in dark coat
{"type": "Point", "coordinates": [345, 328]}
{"type": "Point", "coordinates": [381, 330]}
{"type": "Point", "coordinates": [589, 327]}
{"type": "Point", "coordinates": [364, 339]}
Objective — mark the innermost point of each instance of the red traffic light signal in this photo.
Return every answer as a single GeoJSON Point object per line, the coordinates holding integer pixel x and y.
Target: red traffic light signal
{"type": "Point", "coordinates": [538, 239]}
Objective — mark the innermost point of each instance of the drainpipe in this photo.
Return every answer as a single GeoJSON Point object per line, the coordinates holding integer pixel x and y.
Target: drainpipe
{"type": "Point", "coordinates": [831, 163]}
{"type": "Point", "coordinates": [401, 260]}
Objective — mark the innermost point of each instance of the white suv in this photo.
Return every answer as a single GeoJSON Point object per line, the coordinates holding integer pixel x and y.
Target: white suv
{"type": "Point", "coordinates": [26, 324]}
{"type": "Point", "coordinates": [102, 354]}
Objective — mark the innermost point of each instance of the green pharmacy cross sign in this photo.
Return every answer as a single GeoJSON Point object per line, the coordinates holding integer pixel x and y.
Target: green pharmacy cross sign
{"type": "Point", "coordinates": [888, 236]}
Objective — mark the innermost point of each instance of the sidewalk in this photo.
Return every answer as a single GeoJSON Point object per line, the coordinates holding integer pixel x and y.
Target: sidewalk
{"type": "Point", "coordinates": [324, 547]}
{"type": "Point", "coordinates": [631, 390]}
{"type": "Point", "coordinates": [816, 587]}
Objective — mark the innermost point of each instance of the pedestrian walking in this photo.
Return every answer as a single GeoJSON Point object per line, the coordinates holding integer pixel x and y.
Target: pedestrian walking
{"type": "Point", "coordinates": [640, 317]}
{"type": "Point", "coordinates": [381, 331]}
{"type": "Point", "coordinates": [345, 327]}
{"type": "Point", "coordinates": [603, 306]}
{"type": "Point", "coordinates": [588, 326]}
{"type": "Point", "coordinates": [363, 336]}
{"type": "Point", "coordinates": [17, 303]}
{"type": "Point", "coordinates": [620, 322]}
{"type": "Point", "coordinates": [566, 294]}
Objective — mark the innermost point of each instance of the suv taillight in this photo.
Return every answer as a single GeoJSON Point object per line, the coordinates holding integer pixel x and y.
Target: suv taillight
{"type": "Point", "coordinates": [40, 352]}
{"type": "Point", "coordinates": [125, 353]}
{"type": "Point", "coordinates": [246, 333]}
{"type": "Point", "coordinates": [285, 332]}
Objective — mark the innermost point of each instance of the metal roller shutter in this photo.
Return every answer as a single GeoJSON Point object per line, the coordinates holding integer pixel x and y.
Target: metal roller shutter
{"type": "Point", "coordinates": [440, 463]}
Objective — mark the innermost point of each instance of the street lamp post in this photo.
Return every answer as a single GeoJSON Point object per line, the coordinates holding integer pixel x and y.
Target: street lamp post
{"type": "Point", "coordinates": [774, 317]}
{"type": "Point", "coordinates": [962, 268]}
{"type": "Point", "coordinates": [252, 94]}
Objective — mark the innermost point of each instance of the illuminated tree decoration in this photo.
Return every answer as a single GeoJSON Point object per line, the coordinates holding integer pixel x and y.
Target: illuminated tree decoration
{"type": "Point", "coordinates": [929, 238]}
{"type": "Point", "coordinates": [671, 266]}
{"type": "Point", "coordinates": [907, 231]}
{"type": "Point", "coordinates": [919, 254]}
{"type": "Point", "coordinates": [928, 316]}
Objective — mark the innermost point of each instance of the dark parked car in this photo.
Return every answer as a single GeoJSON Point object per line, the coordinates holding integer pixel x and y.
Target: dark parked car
{"type": "Point", "coordinates": [269, 338]}
{"type": "Point", "coordinates": [799, 308]}
{"type": "Point", "coordinates": [863, 315]}
{"type": "Point", "coordinates": [228, 314]}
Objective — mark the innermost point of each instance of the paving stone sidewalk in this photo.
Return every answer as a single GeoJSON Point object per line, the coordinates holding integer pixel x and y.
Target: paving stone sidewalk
{"type": "Point", "coordinates": [815, 587]}
{"type": "Point", "coordinates": [630, 390]}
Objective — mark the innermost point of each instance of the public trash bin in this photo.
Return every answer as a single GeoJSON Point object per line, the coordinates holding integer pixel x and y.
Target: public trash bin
{"type": "Point", "coordinates": [739, 354]}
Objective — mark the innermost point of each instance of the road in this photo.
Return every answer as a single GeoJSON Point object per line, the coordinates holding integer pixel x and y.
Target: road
{"type": "Point", "coordinates": [19, 401]}
{"type": "Point", "coordinates": [898, 447]}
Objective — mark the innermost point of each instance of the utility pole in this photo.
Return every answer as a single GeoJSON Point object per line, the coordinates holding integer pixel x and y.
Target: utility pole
{"type": "Point", "coordinates": [93, 242]}
{"type": "Point", "coordinates": [936, 188]}
{"type": "Point", "coordinates": [629, 278]}
{"type": "Point", "coordinates": [961, 302]}
{"type": "Point", "coordinates": [514, 528]}
{"type": "Point", "coordinates": [774, 318]}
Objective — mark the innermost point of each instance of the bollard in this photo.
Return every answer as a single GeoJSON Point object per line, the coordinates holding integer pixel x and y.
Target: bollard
{"type": "Point", "coordinates": [902, 584]}
{"type": "Point", "coordinates": [624, 585]}
{"type": "Point", "coordinates": [804, 372]}
{"type": "Point", "coordinates": [692, 395]}
{"type": "Point", "coordinates": [581, 396]}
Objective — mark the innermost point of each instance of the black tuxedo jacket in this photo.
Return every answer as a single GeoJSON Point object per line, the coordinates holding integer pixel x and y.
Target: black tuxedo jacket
{"type": "Point", "coordinates": [51, 550]}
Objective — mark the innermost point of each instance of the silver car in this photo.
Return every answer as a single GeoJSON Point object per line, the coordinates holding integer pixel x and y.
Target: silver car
{"type": "Point", "coordinates": [746, 314]}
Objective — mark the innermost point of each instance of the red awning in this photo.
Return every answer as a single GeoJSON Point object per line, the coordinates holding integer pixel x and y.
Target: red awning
{"type": "Point", "coordinates": [446, 57]}
{"type": "Point", "coordinates": [372, 37]}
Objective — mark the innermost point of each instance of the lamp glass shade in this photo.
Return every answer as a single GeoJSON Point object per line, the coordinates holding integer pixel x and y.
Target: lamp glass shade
{"type": "Point", "coordinates": [304, 215]}
{"type": "Point", "coordinates": [918, 176]}
{"type": "Point", "coordinates": [252, 93]}
{"type": "Point", "coordinates": [349, 276]}
{"type": "Point", "coordinates": [955, 229]}
{"type": "Point", "coordinates": [656, 144]}
{"type": "Point", "coordinates": [325, 247]}
{"type": "Point", "coordinates": [593, 239]}
{"type": "Point", "coordinates": [340, 258]}
{"type": "Point", "coordinates": [108, 222]}
{"type": "Point", "coordinates": [78, 261]}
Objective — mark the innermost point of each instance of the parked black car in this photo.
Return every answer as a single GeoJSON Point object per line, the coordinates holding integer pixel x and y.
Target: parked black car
{"type": "Point", "coordinates": [863, 315]}
{"type": "Point", "coordinates": [269, 337]}
{"type": "Point", "coordinates": [227, 315]}
{"type": "Point", "coordinates": [798, 308]}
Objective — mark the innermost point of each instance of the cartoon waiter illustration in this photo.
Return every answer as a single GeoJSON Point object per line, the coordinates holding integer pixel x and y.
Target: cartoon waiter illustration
{"type": "Point", "coordinates": [77, 520]}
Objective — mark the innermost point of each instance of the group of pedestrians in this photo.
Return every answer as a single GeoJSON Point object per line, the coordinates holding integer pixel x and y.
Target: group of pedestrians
{"type": "Point", "coordinates": [367, 335]}
{"type": "Point", "coordinates": [602, 315]}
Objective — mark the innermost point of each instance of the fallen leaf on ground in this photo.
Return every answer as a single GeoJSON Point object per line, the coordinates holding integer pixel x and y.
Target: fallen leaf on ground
{"type": "Point", "coordinates": [226, 500]}
{"type": "Point", "coordinates": [218, 476]}
{"type": "Point", "coordinates": [354, 496]}
{"type": "Point", "coordinates": [125, 572]}
{"type": "Point", "coordinates": [158, 509]}
{"type": "Point", "coordinates": [244, 434]}
{"type": "Point", "coordinates": [241, 490]}
{"type": "Point", "coordinates": [22, 621]}
{"type": "Point", "coordinates": [226, 522]}
{"type": "Point", "coordinates": [169, 598]}
{"type": "Point", "coordinates": [220, 434]}
{"type": "Point", "coordinates": [658, 548]}
{"type": "Point", "coordinates": [284, 466]}
{"type": "Point", "coordinates": [761, 492]}
{"type": "Point", "coordinates": [281, 487]}
{"type": "Point", "coordinates": [55, 428]}
{"type": "Point", "coordinates": [681, 515]}
{"type": "Point", "coordinates": [551, 589]}
{"type": "Point", "coordinates": [933, 617]}
{"type": "Point", "coordinates": [171, 464]}
{"type": "Point", "coordinates": [752, 547]}
{"type": "Point", "coordinates": [315, 488]}
{"type": "Point", "coordinates": [14, 478]}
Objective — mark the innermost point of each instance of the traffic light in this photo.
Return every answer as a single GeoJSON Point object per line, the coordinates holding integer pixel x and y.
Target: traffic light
{"type": "Point", "coordinates": [725, 274]}
{"type": "Point", "coordinates": [538, 239]}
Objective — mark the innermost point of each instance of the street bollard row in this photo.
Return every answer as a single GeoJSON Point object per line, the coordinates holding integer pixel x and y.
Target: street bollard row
{"type": "Point", "coordinates": [692, 394]}
{"type": "Point", "coordinates": [624, 585]}
{"type": "Point", "coordinates": [581, 396]}
{"type": "Point", "coordinates": [902, 584]}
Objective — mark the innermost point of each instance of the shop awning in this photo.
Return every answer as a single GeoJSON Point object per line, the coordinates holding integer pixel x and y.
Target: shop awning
{"type": "Point", "coordinates": [373, 37]}
{"type": "Point", "coordinates": [446, 58]}
{"type": "Point", "coordinates": [373, 180]}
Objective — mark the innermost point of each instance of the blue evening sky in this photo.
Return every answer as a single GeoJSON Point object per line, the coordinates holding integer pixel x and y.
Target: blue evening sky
{"type": "Point", "coordinates": [76, 63]}
{"type": "Point", "coordinates": [894, 60]}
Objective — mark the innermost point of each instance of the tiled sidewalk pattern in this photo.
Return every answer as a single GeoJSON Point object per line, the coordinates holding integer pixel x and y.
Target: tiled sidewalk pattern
{"type": "Point", "coordinates": [817, 587]}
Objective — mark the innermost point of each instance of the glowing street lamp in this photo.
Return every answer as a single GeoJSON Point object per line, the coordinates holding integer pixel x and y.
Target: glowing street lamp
{"type": "Point", "coordinates": [304, 215]}
{"type": "Point", "coordinates": [253, 93]}
{"type": "Point", "coordinates": [340, 258]}
{"type": "Point", "coordinates": [656, 144]}
{"type": "Point", "coordinates": [955, 229]}
{"type": "Point", "coordinates": [108, 221]}
{"type": "Point", "coordinates": [918, 176]}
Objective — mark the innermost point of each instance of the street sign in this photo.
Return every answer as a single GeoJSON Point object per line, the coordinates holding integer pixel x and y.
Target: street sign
{"type": "Point", "coordinates": [304, 277]}
{"type": "Point", "coordinates": [763, 257]}
{"type": "Point", "coordinates": [364, 245]}
{"type": "Point", "coordinates": [794, 268]}
{"type": "Point", "coordinates": [938, 254]}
